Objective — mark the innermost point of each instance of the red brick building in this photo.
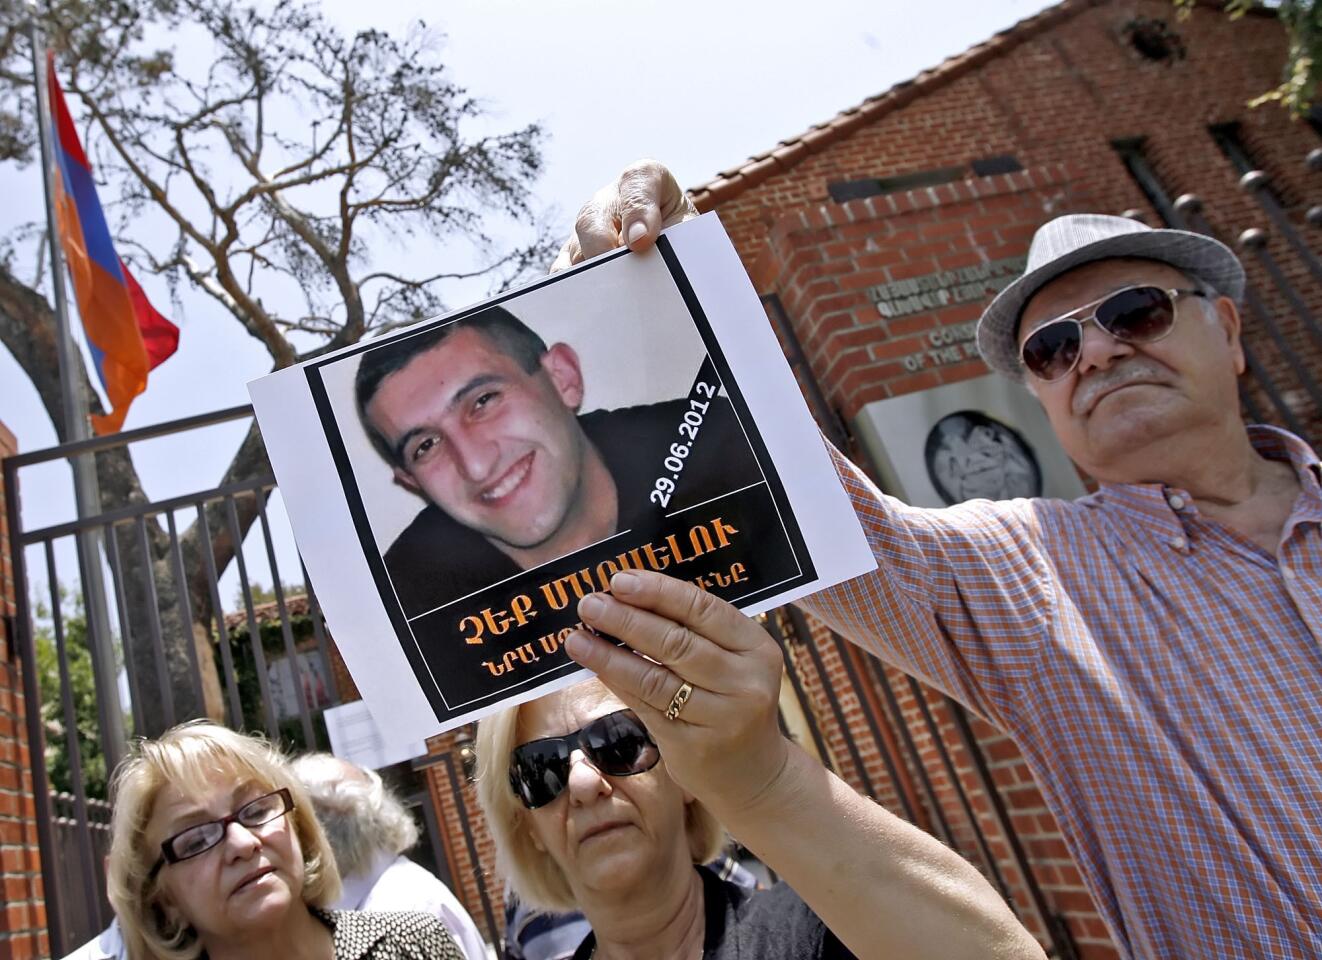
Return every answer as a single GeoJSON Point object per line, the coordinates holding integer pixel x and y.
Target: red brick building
{"type": "Point", "coordinates": [23, 917]}
{"type": "Point", "coordinates": [935, 187]}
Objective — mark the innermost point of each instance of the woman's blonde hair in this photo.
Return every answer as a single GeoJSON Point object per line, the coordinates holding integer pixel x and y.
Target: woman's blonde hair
{"type": "Point", "coordinates": [190, 757]}
{"type": "Point", "coordinates": [535, 877]}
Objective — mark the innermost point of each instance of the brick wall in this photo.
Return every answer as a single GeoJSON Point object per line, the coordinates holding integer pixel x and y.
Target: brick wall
{"type": "Point", "coordinates": [23, 918]}
{"type": "Point", "coordinates": [469, 877]}
{"type": "Point", "coordinates": [1057, 92]}
{"type": "Point", "coordinates": [821, 259]}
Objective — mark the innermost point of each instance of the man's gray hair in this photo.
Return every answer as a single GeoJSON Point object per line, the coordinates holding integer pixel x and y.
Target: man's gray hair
{"type": "Point", "coordinates": [360, 816]}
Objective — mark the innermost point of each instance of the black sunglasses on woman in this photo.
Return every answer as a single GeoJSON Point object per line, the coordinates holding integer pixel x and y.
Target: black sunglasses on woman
{"type": "Point", "coordinates": [617, 744]}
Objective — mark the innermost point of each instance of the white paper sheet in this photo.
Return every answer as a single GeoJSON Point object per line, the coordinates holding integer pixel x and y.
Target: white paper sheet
{"type": "Point", "coordinates": [356, 737]}
{"type": "Point", "coordinates": [665, 345]}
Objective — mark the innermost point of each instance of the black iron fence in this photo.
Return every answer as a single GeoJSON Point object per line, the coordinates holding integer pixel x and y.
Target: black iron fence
{"type": "Point", "coordinates": [1282, 337]}
{"type": "Point", "coordinates": [172, 654]}
{"type": "Point", "coordinates": [865, 682]}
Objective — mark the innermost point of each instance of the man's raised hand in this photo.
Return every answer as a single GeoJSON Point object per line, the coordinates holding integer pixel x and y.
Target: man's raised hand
{"type": "Point", "coordinates": [633, 210]}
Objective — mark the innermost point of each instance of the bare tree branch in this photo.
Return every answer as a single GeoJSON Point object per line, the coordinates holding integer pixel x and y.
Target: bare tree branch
{"type": "Point", "coordinates": [280, 164]}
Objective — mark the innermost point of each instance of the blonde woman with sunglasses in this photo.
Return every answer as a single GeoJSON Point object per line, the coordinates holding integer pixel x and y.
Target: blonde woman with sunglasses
{"type": "Point", "coordinates": [579, 794]}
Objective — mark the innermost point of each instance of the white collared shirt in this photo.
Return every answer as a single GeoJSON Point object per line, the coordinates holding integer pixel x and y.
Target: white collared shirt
{"type": "Point", "coordinates": [106, 945]}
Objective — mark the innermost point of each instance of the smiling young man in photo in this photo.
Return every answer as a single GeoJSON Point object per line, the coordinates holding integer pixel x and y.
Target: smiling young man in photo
{"type": "Point", "coordinates": [479, 417]}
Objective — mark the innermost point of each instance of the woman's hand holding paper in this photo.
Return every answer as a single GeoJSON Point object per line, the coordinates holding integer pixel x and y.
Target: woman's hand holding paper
{"type": "Point", "coordinates": [723, 743]}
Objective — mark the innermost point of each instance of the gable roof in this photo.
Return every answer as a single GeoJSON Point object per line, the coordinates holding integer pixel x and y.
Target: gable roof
{"type": "Point", "coordinates": [728, 184]}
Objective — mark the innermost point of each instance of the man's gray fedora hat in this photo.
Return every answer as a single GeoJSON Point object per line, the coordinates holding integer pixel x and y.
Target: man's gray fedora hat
{"type": "Point", "coordinates": [1078, 238]}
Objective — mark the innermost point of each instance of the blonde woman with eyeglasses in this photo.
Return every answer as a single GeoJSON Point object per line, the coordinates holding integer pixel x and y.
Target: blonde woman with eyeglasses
{"type": "Point", "coordinates": [216, 852]}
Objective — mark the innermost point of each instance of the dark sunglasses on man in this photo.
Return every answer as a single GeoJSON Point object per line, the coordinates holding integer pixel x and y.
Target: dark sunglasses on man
{"type": "Point", "coordinates": [1133, 315]}
{"type": "Point", "coordinates": [199, 838]}
{"type": "Point", "coordinates": [617, 744]}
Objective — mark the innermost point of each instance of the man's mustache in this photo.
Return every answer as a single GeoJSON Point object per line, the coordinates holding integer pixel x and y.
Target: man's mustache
{"type": "Point", "coordinates": [1140, 369]}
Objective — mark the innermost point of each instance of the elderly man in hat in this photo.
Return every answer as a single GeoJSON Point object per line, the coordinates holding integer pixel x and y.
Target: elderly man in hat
{"type": "Point", "coordinates": [1155, 648]}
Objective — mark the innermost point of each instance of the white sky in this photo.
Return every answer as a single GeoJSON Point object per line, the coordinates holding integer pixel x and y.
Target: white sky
{"type": "Point", "coordinates": [700, 85]}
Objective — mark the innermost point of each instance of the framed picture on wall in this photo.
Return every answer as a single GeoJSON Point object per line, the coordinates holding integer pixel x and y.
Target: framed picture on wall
{"type": "Point", "coordinates": [981, 438]}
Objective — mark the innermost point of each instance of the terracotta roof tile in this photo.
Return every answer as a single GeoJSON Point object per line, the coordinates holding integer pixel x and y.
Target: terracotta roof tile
{"type": "Point", "coordinates": [263, 613]}
{"type": "Point", "coordinates": [789, 152]}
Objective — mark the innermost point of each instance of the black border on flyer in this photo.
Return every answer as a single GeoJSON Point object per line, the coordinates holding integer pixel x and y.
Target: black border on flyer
{"type": "Point", "coordinates": [367, 540]}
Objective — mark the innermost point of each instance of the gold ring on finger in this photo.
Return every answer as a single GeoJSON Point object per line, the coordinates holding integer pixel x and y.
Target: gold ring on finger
{"type": "Point", "coordinates": [680, 698]}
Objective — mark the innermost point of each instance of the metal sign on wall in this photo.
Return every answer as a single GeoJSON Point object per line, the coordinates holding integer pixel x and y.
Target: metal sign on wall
{"type": "Point", "coordinates": [986, 437]}
{"type": "Point", "coordinates": [932, 291]}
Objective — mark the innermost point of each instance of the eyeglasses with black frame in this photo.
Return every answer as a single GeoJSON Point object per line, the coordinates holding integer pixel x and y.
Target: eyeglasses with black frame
{"type": "Point", "coordinates": [201, 837]}
{"type": "Point", "coordinates": [617, 744]}
{"type": "Point", "coordinates": [1140, 314]}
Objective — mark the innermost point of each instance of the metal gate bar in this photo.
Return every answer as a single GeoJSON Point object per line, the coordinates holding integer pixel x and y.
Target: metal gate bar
{"type": "Point", "coordinates": [318, 631]}
{"type": "Point", "coordinates": [286, 632]}
{"type": "Point", "coordinates": [984, 849]}
{"type": "Point", "coordinates": [185, 607]}
{"type": "Point", "coordinates": [916, 758]}
{"type": "Point", "coordinates": [471, 844]}
{"type": "Point", "coordinates": [41, 795]}
{"type": "Point", "coordinates": [1268, 322]}
{"type": "Point", "coordinates": [1187, 214]}
{"type": "Point", "coordinates": [1255, 182]}
{"type": "Point", "coordinates": [112, 746]}
{"type": "Point", "coordinates": [254, 632]}
{"type": "Point", "coordinates": [802, 629]}
{"type": "Point", "coordinates": [772, 626]}
{"type": "Point", "coordinates": [126, 635]}
{"type": "Point", "coordinates": [901, 783]}
{"type": "Point", "coordinates": [1250, 405]}
{"type": "Point", "coordinates": [1287, 289]}
{"type": "Point", "coordinates": [231, 679]}
{"type": "Point", "coordinates": [91, 890]}
{"type": "Point", "coordinates": [1264, 380]}
{"type": "Point", "coordinates": [1062, 940]}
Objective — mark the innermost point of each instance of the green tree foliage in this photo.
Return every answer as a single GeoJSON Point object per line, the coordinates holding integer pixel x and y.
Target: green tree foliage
{"type": "Point", "coordinates": [1302, 20]}
{"type": "Point", "coordinates": [82, 687]}
{"type": "Point", "coordinates": [264, 594]}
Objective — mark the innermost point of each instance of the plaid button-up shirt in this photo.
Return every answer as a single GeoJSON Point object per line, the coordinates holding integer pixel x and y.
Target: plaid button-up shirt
{"type": "Point", "coordinates": [1161, 674]}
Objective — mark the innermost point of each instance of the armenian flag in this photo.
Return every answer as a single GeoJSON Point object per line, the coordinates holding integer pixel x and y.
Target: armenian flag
{"type": "Point", "coordinates": [127, 337]}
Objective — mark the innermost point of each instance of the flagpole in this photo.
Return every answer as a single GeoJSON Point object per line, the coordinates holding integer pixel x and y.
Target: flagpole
{"type": "Point", "coordinates": [87, 497]}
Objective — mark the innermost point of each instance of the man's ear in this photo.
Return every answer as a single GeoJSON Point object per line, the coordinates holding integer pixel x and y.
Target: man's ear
{"type": "Point", "coordinates": [560, 363]}
{"type": "Point", "coordinates": [1227, 316]}
{"type": "Point", "coordinates": [405, 479]}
